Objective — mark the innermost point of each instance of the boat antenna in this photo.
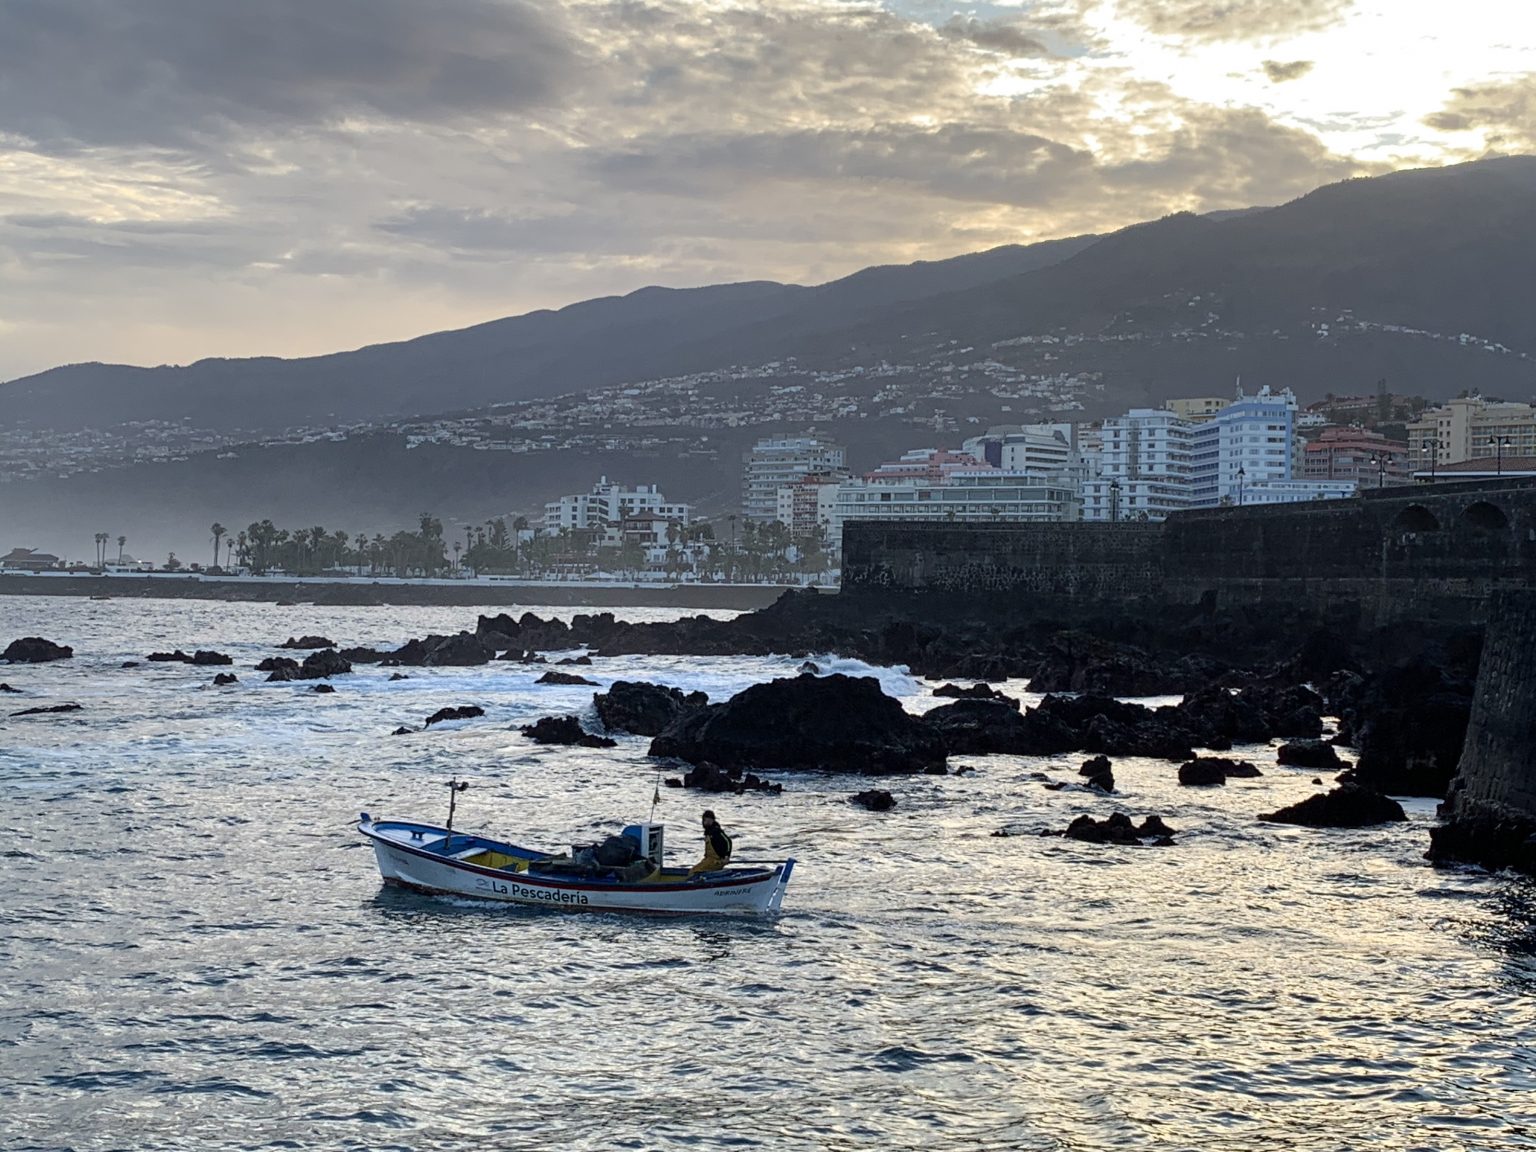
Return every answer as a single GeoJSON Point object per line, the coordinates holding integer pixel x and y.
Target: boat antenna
{"type": "Point", "coordinates": [656, 796]}
{"type": "Point", "coordinates": [454, 788]}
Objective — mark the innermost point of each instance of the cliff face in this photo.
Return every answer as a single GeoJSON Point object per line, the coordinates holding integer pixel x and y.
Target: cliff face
{"type": "Point", "coordinates": [1490, 809]}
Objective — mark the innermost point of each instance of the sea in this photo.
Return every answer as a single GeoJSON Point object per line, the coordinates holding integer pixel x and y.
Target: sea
{"type": "Point", "coordinates": [196, 951]}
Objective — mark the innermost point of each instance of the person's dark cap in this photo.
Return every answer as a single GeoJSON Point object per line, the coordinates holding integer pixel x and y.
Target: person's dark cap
{"type": "Point", "coordinates": [709, 813]}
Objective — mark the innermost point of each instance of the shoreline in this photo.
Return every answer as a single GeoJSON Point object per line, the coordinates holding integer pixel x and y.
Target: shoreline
{"type": "Point", "coordinates": [369, 593]}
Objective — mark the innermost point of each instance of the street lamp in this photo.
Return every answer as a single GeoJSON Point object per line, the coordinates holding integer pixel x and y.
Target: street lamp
{"type": "Point", "coordinates": [1241, 472]}
{"type": "Point", "coordinates": [1434, 454]}
{"type": "Point", "coordinates": [1114, 501]}
{"type": "Point", "coordinates": [1381, 470]}
{"type": "Point", "coordinates": [1498, 442]}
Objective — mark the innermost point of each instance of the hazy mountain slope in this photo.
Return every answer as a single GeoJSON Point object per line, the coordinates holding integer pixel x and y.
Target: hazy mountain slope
{"type": "Point", "coordinates": [652, 332]}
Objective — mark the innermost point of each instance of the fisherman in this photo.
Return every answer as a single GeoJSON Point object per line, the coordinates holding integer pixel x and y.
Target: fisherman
{"type": "Point", "coordinates": [717, 846]}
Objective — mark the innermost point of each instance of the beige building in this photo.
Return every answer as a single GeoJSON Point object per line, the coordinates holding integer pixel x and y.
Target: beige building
{"type": "Point", "coordinates": [1471, 428]}
{"type": "Point", "coordinates": [1197, 408]}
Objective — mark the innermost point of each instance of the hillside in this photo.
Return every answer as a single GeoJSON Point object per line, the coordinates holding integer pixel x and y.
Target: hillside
{"type": "Point", "coordinates": [1421, 278]}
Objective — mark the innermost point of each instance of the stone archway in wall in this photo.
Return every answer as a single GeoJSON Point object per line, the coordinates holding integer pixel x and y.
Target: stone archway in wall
{"type": "Point", "coordinates": [1483, 516]}
{"type": "Point", "coordinates": [1416, 518]}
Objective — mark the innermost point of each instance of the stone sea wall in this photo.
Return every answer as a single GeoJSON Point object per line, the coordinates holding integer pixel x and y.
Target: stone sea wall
{"type": "Point", "coordinates": [1432, 553]}
{"type": "Point", "coordinates": [1490, 808]}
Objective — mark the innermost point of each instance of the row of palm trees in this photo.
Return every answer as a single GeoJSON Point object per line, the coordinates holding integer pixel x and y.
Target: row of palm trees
{"type": "Point", "coordinates": [102, 540]}
{"type": "Point", "coordinates": [263, 547]}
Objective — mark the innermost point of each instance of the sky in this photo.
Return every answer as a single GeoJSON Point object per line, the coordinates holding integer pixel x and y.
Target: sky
{"type": "Point", "coordinates": [191, 178]}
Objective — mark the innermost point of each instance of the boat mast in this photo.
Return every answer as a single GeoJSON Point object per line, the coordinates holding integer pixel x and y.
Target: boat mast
{"type": "Point", "coordinates": [454, 788]}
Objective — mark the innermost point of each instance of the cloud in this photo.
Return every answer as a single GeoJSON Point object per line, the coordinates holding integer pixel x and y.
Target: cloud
{"type": "Point", "coordinates": [1505, 113]}
{"type": "Point", "coordinates": [175, 72]}
{"type": "Point", "coordinates": [995, 36]}
{"type": "Point", "coordinates": [1235, 19]}
{"type": "Point", "coordinates": [1279, 72]}
{"type": "Point", "coordinates": [294, 176]}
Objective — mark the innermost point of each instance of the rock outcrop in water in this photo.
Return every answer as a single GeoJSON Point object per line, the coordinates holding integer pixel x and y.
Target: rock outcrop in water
{"type": "Point", "coordinates": [47, 710]}
{"type": "Point", "coordinates": [564, 730]}
{"type": "Point", "coordinates": [569, 679]}
{"type": "Point", "coordinates": [201, 657]}
{"type": "Point", "coordinates": [316, 666]}
{"type": "Point", "coordinates": [975, 692]}
{"type": "Point", "coordinates": [462, 712]}
{"type": "Point", "coordinates": [707, 777]}
{"type": "Point", "coordinates": [35, 650]}
{"type": "Point", "coordinates": [307, 642]}
{"type": "Point", "coordinates": [1117, 828]}
{"type": "Point", "coordinates": [643, 709]}
{"type": "Point", "coordinates": [830, 723]}
{"type": "Point", "coordinates": [1348, 806]}
{"type": "Point", "coordinates": [464, 650]}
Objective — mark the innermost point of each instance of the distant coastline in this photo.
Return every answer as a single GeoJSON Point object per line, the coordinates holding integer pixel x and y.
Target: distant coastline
{"type": "Point", "coordinates": [448, 593]}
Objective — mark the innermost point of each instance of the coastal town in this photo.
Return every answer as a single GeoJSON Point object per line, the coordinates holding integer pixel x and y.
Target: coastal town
{"type": "Point", "coordinates": [799, 490]}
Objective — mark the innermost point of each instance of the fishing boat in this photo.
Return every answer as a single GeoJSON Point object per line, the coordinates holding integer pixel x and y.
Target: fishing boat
{"type": "Point", "coordinates": [624, 873]}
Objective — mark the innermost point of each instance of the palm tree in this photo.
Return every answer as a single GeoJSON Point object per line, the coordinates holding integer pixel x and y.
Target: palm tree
{"type": "Point", "coordinates": [218, 531]}
{"type": "Point", "coordinates": [101, 549]}
{"type": "Point", "coordinates": [122, 542]}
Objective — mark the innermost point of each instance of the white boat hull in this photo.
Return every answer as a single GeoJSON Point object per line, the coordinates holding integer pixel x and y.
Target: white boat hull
{"type": "Point", "coordinates": [408, 860]}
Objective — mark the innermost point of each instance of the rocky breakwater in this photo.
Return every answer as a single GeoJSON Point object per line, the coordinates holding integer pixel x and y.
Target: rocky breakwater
{"type": "Point", "coordinates": [1490, 808]}
{"type": "Point", "coordinates": [831, 723]}
{"type": "Point", "coordinates": [35, 650]}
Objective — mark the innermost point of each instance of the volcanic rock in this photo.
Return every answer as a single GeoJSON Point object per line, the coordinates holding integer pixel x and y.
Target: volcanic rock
{"type": "Point", "coordinates": [707, 777]}
{"type": "Point", "coordinates": [1409, 725]}
{"type": "Point", "coordinates": [973, 727]}
{"type": "Point", "coordinates": [35, 650]}
{"type": "Point", "coordinates": [875, 799]}
{"type": "Point", "coordinates": [1201, 773]}
{"type": "Point", "coordinates": [8, 688]}
{"type": "Point", "coordinates": [1117, 828]}
{"type": "Point", "coordinates": [224, 678]}
{"type": "Point", "coordinates": [1096, 766]}
{"type": "Point", "coordinates": [322, 688]}
{"type": "Point", "coordinates": [278, 664]}
{"type": "Point", "coordinates": [1204, 770]}
{"type": "Point", "coordinates": [564, 730]}
{"type": "Point", "coordinates": [1348, 806]}
{"type": "Point", "coordinates": [398, 676]}
{"type": "Point", "coordinates": [308, 642]}
{"type": "Point", "coordinates": [1309, 754]}
{"type": "Point", "coordinates": [47, 709]}
{"type": "Point", "coordinates": [364, 655]}
{"type": "Point", "coordinates": [463, 650]}
{"type": "Point", "coordinates": [641, 708]}
{"type": "Point", "coordinates": [975, 692]}
{"type": "Point", "coordinates": [200, 657]}
{"type": "Point", "coordinates": [581, 660]}
{"type": "Point", "coordinates": [319, 665]}
{"type": "Point", "coordinates": [566, 678]}
{"type": "Point", "coordinates": [463, 712]}
{"type": "Point", "coordinates": [832, 723]}
{"type": "Point", "coordinates": [402, 731]}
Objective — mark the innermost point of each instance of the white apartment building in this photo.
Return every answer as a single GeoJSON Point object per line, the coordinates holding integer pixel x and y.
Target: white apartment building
{"type": "Point", "coordinates": [609, 504]}
{"type": "Point", "coordinates": [949, 492]}
{"type": "Point", "coordinates": [1153, 461]}
{"type": "Point", "coordinates": [1471, 428]}
{"type": "Point", "coordinates": [777, 462]}
{"type": "Point", "coordinates": [1039, 449]}
{"type": "Point", "coordinates": [1143, 468]}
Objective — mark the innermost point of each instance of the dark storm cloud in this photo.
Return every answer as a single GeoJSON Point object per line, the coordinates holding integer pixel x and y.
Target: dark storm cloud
{"type": "Point", "coordinates": [1505, 113]}
{"type": "Point", "coordinates": [169, 72]}
{"type": "Point", "coordinates": [1279, 72]}
{"type": "Point", "coordinates": [1235, 19]}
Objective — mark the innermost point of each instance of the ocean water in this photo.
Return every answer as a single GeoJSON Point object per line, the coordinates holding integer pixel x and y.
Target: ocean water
{"type": "Point", "coordinates": [196, 951]}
